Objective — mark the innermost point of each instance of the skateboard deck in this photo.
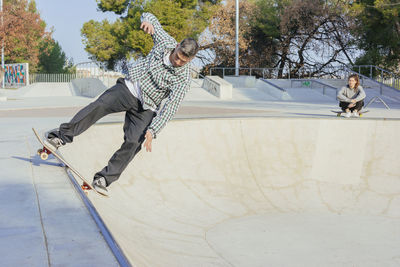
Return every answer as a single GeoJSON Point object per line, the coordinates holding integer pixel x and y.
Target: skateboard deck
{"type": "Point", "coordinates": [47, 150]}
{"type": "Point", "coordinates": [339, 112]}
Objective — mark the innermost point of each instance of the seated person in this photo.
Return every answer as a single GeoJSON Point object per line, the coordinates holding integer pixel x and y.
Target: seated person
{"type": "Point", "coordinates": [351, 97]}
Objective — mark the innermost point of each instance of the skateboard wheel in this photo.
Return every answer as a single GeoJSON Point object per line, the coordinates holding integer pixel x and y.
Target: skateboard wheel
{"type": "Point", "coordinates": [361, 114]}
{"type": "Point", "coordinates": [338, 115]}
{"type": "Point", "coordinates": [44, 156]}
{"type": "Point", "coordinates": [85, 187]}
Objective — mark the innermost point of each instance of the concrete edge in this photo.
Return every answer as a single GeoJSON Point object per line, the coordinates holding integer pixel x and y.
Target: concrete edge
{"type": "Point", "coordinates": [108, 237]}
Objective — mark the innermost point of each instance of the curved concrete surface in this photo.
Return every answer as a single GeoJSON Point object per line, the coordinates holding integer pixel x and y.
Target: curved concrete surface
{"type": "Point", "coordinates": [254, 192]}
{"type": "Point", "coordinates": [89, 87]}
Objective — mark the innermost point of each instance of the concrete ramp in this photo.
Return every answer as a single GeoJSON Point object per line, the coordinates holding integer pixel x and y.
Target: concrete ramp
{"type": "Point", "coordinates": [308, 95]}
{"type": "Point", "coordinates": [88, 87]}
{"type": "Point", "coordinates": [48, 89]}
{"type": "Point", "coordinates": [39, 90]}
{"type": "Point", "coordinates": [253, 192]}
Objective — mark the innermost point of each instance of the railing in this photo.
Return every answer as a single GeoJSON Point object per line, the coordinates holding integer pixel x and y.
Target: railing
{"type": "Point", "coordinates": [51, 77]}
{"type": "Point", "coordinates": [363, 78]}
{"type": "Point", "coordinates": [377, 99]}
{"type": "Point", "coordinates": [276, 73]}
{"type": "Point", "coordinates": [274, 85]}
{"type": "Point", "coordinates": [91, 69]}
{"type": "Point", "coordinates": [310, 82]}
{"type": "Point", "coordinates": [336, 72]}
{"type": "Point", "coordinates": [378, 74]}
{"type": "Point", "coordinates": [269, 73]}
{"type": "Point", "coordinates": [106, 78]}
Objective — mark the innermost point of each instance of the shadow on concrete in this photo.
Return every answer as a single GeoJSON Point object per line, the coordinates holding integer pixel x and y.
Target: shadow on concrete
{"type": "Point", "coordinates": [37, 161]}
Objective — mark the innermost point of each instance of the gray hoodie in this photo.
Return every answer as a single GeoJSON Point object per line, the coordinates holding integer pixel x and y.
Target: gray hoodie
{"type": "Point", "coordinates": [346, 94]}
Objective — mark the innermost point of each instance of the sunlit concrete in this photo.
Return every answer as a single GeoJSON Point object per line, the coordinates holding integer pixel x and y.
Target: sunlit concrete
{"type": "Point", "coordinates": [43, 221]}
{"type": "Point", "coordinates": [265, 186]}
{"type": "Point", "coordinates": [253, 192]}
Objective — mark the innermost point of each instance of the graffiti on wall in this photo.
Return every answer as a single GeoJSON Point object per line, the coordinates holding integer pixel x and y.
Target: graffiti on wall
{"type": "Point", "coordinates": [16, 75]}
{"type": "Point", "coordinates": [211, 86]}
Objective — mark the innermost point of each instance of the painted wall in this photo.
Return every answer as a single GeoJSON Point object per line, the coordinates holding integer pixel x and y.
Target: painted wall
{"type": "Point", "coordinates": [16, 75]}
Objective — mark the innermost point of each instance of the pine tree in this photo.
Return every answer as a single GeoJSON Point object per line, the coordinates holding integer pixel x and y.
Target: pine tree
{"type": "Point", "coordinates": [110, 42]}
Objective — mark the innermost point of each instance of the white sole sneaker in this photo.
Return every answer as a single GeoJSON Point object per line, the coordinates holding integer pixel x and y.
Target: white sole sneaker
{"type": "Point", "coordinates": [99, 187]}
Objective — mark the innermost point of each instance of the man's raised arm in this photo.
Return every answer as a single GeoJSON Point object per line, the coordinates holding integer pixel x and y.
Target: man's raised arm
{"type": "Point", "coordinates": [151, 25]}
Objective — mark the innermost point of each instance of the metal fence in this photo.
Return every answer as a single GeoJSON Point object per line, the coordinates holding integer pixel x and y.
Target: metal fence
{"type": "Point", "coordinates": [90, 69]}
{"type": "Point", "coordinates": [378, 74]}
{"type": "Point", "coordinates": [337, 72]}
{"type": "Point", "coordinates": [314, 84]}
{"type": "Point", "coordinates": [51, 77]}
{"type": "Point", "coordinates": [265, 73]}
{"type": "Point", "coordinates": [278, 73]}
{"type": "Point", "coordinates": [107, 78]}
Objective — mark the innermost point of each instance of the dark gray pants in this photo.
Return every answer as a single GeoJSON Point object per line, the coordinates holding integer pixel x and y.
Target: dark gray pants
{"type": "Point", "coordinates": [116, 99]}
{"type": "Point", "coordinates": [359, 105]}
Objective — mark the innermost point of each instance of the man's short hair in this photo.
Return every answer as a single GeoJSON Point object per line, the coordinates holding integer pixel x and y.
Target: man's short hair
{"type": "Point", "coordinates": [189, 47]}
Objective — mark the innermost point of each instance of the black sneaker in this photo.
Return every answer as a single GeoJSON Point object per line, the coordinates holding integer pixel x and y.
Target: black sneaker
{"type": "Point", "coordinates": [100, 185]}
{"type": "Point", "coordinates": [53, 140]}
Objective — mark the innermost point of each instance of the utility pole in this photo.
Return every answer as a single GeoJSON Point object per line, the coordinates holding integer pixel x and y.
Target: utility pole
{"type": "Point", "coordinates": [237, 40]}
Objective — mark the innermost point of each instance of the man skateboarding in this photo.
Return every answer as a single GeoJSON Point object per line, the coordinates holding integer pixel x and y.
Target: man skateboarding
{"type": "Point", "coordinates": [163, 74]}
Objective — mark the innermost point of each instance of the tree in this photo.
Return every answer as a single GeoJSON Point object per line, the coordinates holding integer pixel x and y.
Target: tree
{"type": "Point", "coordinates": [377, 28]}
{"type": "Point", "coordinates": [314, 35]}
{"type": "Point", "coordinates": [223, 42]}
{"type": "Point", "coordinates": [110, 42]}
{"type": "Point", "coordinates": [22, 32]}
{"type": "Point", "coordinates": [285, 34]}
{"type": "Point", "coordinates": [52, 58]}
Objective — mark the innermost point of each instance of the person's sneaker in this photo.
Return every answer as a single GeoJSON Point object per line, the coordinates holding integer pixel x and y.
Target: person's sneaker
{"type": "Point", "coordinates": [355, 114]}
{"type": "Point", "coordinates": [53, 140]}
{"type": "Point", "coordinates": [100, 185]}
{"type": "Point", "coordinates": [347, 115]}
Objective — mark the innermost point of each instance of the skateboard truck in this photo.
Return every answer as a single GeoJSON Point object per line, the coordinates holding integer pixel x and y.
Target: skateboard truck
{"type": "Point", "coordinates": [44, 153]}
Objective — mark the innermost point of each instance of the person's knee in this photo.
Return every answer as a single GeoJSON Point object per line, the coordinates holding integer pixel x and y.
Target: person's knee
{"type": "Point", "coordinates": [359, 105]}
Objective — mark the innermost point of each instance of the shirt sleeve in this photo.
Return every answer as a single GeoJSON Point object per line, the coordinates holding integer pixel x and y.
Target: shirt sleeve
{"type": "Point", "coordinates": [341, 96]}
{"type": "Point", "coordinates": [169, 109]}
{"type": "Point", "coordinates": [160, 35]}
{"type": "Point", "coordinates": [361, 94]}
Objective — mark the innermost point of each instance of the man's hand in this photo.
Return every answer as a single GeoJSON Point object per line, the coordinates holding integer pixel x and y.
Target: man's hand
{"type": "Point", "coordinates": [147, 27]}
{"type": "Point", "coordinates": [351, 105]}
{"type": "Point", "coordinates": [147, 143]}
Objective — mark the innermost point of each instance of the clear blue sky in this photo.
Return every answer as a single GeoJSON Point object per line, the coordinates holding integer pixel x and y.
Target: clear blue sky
{"type": "Point", "coordinates": [67, 18]}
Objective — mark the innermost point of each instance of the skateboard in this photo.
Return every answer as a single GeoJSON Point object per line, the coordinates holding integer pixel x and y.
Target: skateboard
{"type": "Point", "coordinates": [339, 112]}
{"type": "Point", "coordinates": [47, 150]}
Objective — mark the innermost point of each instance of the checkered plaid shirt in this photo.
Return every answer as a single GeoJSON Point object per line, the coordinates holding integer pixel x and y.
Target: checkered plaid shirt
{"type": "Point", "coordinates": [157, 80]}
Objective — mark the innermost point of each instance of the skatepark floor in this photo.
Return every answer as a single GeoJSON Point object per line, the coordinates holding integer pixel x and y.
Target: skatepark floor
{"type": "Point", "coordinates": [228, 184]}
